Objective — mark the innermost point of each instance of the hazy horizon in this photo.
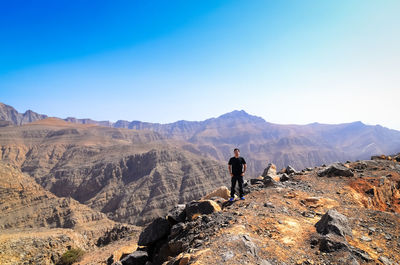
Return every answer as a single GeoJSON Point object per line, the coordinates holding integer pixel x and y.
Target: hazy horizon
{"type": "Point", "coordinates": [288, 62]}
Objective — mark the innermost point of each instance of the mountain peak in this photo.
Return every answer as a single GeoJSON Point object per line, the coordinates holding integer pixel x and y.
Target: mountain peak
{"type": "Point", "coordinates": [240, 114]}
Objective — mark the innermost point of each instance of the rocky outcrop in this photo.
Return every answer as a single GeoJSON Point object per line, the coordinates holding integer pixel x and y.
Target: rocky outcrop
{"type": "Point", "coordinates": [274, 225]}
{"type": "Point", "coordinates": [196, 208]}
{"type": "Point", "coordinates": [157, 230]}
{"type": "Point", "coordinates": [333, 222]}
{"type": "Point", "coordinates": [336, 170]}
{"type": "Point", "coordinates": [222, 192]}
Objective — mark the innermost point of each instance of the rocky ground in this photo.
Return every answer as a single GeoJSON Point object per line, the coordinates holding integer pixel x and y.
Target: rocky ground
{"type": "Point", "coordinates": [338, 214]}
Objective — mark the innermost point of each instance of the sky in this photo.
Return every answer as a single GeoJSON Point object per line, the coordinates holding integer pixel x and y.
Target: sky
{"type": "Point", "coordinates": [290, 62]}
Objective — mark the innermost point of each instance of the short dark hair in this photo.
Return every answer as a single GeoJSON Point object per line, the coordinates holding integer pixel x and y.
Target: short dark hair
{"type": "Point", "coordinates": [236, 149]}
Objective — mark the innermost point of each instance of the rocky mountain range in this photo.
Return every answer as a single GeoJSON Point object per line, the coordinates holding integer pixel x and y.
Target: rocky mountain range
{"type": "Point", "coordinates": [260, 141]}
{"type": "Point", "coordinates": [132, 176]}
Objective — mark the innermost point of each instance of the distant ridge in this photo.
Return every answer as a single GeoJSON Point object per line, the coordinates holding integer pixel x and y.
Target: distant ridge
{"type": "Point", "coordinates": [260, 141]}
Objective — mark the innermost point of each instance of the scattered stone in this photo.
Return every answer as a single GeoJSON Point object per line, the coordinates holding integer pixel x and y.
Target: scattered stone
{"type": "Point", "coordinates": [156, 230]}
{"type": "Point", "coordinates": [269, 205]}
{"type": "Point", "coordinates": [365, 238]}
{"type": "Point", "coordinates": [336, 169]}
{"type": "Point", "coordinates": [196, 208]}
{"type": "Point", "coordinates": [250, 246]}
{"type": "Point", "coordinates": [361, 253]}
{"type": "Point", "coordinates": [308, 214]}
{"type": "Point", "coordinates": [136, 258]}
{"type": "Point", "coordinates": [333, 222]}
{"type": "Point", "coordinates": [227, 255]}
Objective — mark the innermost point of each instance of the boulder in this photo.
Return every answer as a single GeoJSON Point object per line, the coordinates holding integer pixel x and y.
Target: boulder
{"type": "Point", "coordinates": [284, 177]}
{"type": "Point", "coordinates": [158, 229]}
{"type": "Point", "coordinates": [196, 208]}
{"type": "Point", "coordinates": [270, 171]}
{"type": "Point", "coordinates": [269, 181]}
{"type": "Point", "coordinates": [136, 258]}
{"type": "Point", "coordinates": [177, 214]}
{"type": "Point", "coordinates": [257, 181]}
{"type": "Point", "coordinates": [333, 222]}
{"type": "Point", "coordinates": [332, 243]}
{"type": "Point", "coordinates": [222, 192]}
{"type": "Point", "coordinates": [335, 169]}
{"type": "Point", "coordinates": [290, 170]}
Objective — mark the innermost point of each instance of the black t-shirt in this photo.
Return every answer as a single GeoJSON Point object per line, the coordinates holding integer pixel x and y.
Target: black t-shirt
{"type": "Point", "coordinates": [237, 165]}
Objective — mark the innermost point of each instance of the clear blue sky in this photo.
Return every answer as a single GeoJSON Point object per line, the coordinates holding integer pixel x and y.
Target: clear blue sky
{"type": "Point", "coordinates": [162, 61]}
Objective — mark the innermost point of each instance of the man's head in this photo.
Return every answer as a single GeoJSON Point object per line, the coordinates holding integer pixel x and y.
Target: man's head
{"type": "Point", "coordinates": [236, 151]}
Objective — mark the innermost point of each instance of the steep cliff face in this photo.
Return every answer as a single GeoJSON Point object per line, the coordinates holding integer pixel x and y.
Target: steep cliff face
{"type": "Point", "coordinates": [132, 176]}
{"type": "Point", "coordinates": [37, 227]}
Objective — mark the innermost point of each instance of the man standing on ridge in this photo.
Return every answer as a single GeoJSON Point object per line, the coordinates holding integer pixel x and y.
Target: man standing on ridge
{"type": "Point", "coordinates": [237, 167]}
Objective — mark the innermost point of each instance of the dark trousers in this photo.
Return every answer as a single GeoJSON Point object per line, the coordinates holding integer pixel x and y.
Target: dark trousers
{"type": "Point", "coordinates": [239, 179]}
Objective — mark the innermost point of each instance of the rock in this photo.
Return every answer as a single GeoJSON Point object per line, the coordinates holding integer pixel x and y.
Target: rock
{"type": "Point", "coordinates": [284, 177]}
{"type": "Point", "coordinates": [256, 181]}
{"type": "Point", "coordinates": [196, 208]}
{"type": "Point", "coordinates": [332, 243]}
{"type": "Point", "coordinates": [227, 255]}
{"type": "Point", "coordinates": [177, 214]}
{"type": "Point", "coordinates": [290, 170]}
{"type": "Point", "coordinates": [264, 262]}
{"type": "Point", "coordinates": [385, 260]}
{"type": "Point", "coordinates": [158, 229]}
{"type": "Point", "coordinates": [177, 229]}
{"type": "Point", "coordinates": [269, 205]}
{"type": "Point", "coordinates": [333, 222]}
{"type": "Point", "coordinates": [185, 259]}
{"type": "Point", "coordinates": [270, 171]}
{"type": "Point", "coordinates": [136, 258]}
{"type": "Point", "coordinates": [250, 246]}
{"type": "Point", "coordinates": [361, 253]}
{"type": "Point", "coordinates": [336, 169]}
{"type": "Point", "coordinates": [365, 238]}
{"type": "Point", "coordinates": [222, 192]}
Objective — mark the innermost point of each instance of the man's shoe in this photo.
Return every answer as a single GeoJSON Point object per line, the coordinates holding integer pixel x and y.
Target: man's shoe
{"type": "Point", "coordinates": [231, 199]}
{"type": "Point", "coordinates": [242, 198]}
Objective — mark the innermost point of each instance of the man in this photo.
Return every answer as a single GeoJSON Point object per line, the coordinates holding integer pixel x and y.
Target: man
{"type": "Point", "coordinates": [237, 167]}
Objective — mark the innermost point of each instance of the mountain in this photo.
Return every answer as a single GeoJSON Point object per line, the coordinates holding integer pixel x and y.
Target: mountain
{"type": "Point", "coordinates": [262, 142]}
{"type": "Point", "coordinates": [337, 214]}
{"type": "Point", "coordinates": [12, 116]}
{"type": "Point", "coordinates": [37, 227]}
{"type": "Point", "coordinates": [132, 176]}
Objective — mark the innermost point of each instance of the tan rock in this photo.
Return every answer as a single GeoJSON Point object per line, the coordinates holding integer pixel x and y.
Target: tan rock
{"type": "Point", "coordinates": [222, 192]}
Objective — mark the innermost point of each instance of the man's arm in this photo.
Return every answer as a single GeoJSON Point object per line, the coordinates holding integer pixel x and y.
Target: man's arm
{"type": "Point", "coordinates": [230, 170]}
{"type": "Point", "coordinates": [244, 169]}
